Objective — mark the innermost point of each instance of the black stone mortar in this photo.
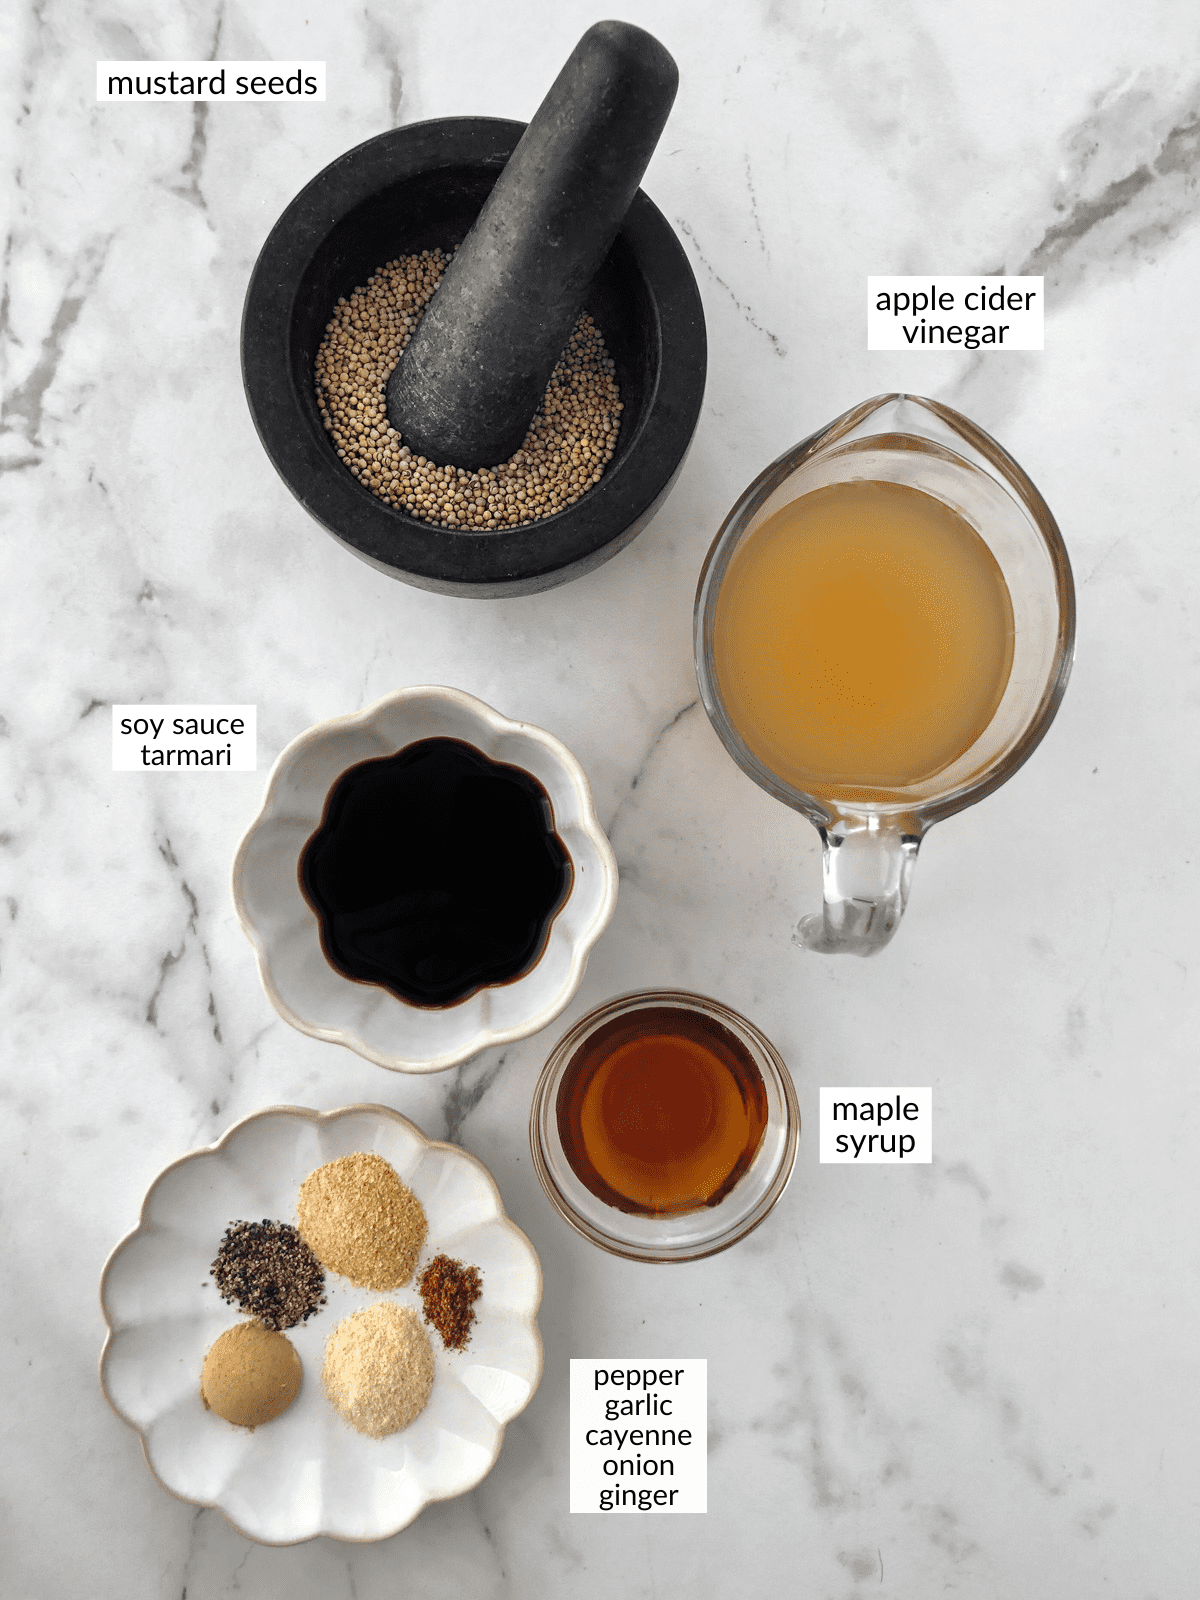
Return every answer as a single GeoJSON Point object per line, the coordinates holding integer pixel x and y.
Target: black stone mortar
{"type": "Point", "coordinates": [420, 188]}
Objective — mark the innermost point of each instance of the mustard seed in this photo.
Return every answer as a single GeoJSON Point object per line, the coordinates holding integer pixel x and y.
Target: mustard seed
{"type": "Point", "coordinates": [570, 440]}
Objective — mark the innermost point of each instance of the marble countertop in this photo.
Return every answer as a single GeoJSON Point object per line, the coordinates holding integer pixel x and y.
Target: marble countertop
{"type": "Point", "coordinates": [976, 1377]}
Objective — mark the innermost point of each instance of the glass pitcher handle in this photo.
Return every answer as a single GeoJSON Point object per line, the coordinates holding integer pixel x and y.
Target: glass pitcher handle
{"type": "Point", "coordinates": [867, 870]}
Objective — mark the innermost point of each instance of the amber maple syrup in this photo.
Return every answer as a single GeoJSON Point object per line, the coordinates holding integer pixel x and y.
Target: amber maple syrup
{"type": "Point", "coordinates": [435, 872]}
{"type": "Point", "coordinates": [661, 1111]}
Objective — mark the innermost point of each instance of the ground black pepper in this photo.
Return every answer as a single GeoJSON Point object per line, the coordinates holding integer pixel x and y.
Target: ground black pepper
{"type": "Point", "coordinates": [449, 1292]}
{"type": "Point", "coordinates": [269, 1271]}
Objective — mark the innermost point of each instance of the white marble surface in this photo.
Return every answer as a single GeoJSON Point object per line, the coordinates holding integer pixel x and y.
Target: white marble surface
{"type": "Point", "coordinates": [973, 1378]}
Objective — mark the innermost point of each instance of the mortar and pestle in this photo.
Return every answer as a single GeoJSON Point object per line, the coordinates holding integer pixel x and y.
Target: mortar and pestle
{"type": "Point", "coordinates": [550, 222]}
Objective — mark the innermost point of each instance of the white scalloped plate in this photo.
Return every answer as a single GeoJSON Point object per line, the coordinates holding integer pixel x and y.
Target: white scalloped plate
{"type": "Point", "coordinates": [281, 925]}
{"type": "Point", "coordinates": [308, 1472]}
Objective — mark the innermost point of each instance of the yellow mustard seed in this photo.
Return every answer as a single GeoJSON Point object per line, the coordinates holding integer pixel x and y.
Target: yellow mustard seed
{"type": "Point", "coordinates": [570, 440]}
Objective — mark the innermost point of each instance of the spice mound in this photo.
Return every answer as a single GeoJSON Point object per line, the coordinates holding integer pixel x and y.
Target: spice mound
{"type": "Point", "coordinates": [267, 1269]}
{"type": "Point", "coordinates": [360, 1220]}
{"type": "Point", "coordinates": [379, 1369]}
{"type": "Point", "coordinates": [570, 440]}
{"type": "Point", "coordinates": [449, 1292]}
{"type": "Point", "coordinates": [251, 1375]}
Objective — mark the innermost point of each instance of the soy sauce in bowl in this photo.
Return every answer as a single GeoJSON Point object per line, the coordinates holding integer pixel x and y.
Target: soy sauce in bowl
{"type": "Point", "coordinates": [435, 872]}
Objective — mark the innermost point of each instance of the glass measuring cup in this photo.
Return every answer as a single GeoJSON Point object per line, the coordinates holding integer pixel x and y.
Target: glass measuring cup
{"type": "Point", "coordinates": [870, 845]}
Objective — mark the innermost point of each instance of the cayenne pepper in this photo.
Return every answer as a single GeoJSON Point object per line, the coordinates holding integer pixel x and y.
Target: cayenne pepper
{"type": "Point", "coordinates": [449, 1291]}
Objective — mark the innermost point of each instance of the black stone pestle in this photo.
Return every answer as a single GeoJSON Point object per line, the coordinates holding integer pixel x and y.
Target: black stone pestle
{"type": "Point", "coordinates": [474, 372]}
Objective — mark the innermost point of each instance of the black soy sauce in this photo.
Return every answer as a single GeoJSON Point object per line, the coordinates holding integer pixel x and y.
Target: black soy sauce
{"type": "Point", "coordinates": [435, 872]}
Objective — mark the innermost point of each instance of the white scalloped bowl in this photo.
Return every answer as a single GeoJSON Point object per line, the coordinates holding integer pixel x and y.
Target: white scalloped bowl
{"type": "Point", "coordinates": [283, 928]}
{"type": "Point", "coordinates": [308, 1472]}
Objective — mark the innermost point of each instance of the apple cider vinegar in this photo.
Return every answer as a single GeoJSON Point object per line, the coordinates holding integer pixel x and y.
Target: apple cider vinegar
{"type": "Point", "coordinates": [863, 639]}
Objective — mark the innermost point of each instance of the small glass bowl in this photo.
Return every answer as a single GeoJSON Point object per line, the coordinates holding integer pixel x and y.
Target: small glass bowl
{"type": "Point", "coordinates": [698, 1233]}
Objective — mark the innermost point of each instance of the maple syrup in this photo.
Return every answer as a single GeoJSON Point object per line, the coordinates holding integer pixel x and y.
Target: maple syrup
{"type": "Point", "coordinates": [661, 1111]}
{"type": "Point", "coordinates": [435, 872]}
